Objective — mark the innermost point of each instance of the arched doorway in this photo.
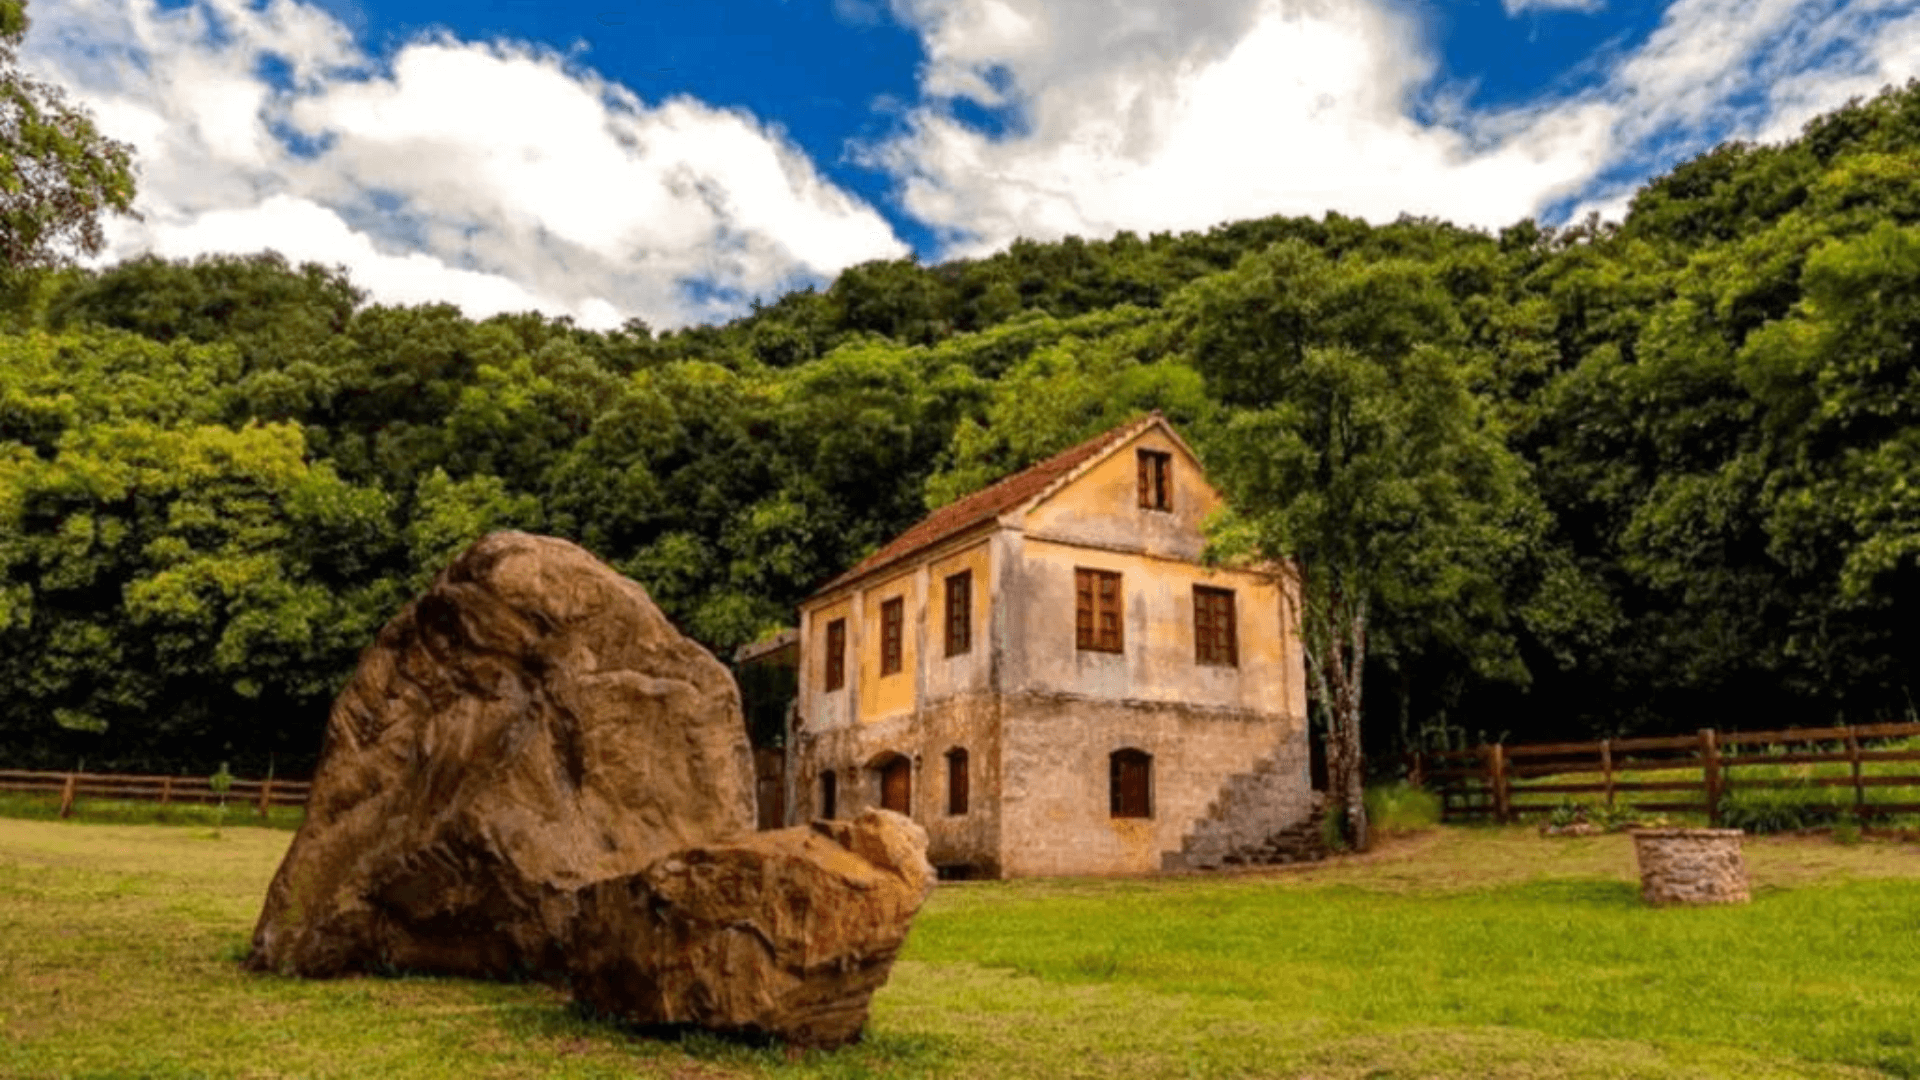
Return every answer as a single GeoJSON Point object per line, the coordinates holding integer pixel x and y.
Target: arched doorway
{"type": "Point", "coordinates": [896, 784]}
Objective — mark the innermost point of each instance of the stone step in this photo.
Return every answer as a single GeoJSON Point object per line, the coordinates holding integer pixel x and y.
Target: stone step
{"type": "Point", "coordinates": [1263, 815]}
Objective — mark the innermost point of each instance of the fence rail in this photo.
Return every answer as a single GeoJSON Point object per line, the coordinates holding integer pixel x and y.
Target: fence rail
{"type": "Point", "coordinates": [1498, 780]}
{"type": "Point", "coordinates": [260, 794]}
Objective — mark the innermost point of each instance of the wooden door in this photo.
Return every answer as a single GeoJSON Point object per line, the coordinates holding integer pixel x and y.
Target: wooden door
{"type": "Point", "coordinates": [896, 786]}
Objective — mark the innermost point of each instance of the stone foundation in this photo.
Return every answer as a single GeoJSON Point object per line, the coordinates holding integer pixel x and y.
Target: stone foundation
{"type": "Point", "coordinates": [1691, 866]}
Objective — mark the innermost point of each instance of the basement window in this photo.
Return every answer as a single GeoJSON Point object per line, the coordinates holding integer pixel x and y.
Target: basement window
{"type": "Point", "coordinates": [1130, 784]}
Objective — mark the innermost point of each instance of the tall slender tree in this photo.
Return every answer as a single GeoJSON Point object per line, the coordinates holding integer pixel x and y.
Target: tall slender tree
{"type": "Point", "coordinates": [1357, 455]}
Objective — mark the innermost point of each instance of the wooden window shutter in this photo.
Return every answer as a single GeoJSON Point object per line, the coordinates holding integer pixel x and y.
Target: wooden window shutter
{"type": "Point", "coordinates": [1215, 627]}
{"type": "Point", "coordinates": [836, 654]}
{"type": "Point", "coordinates": [1130, 784]}
{"type": "Point", "coordinates": [892, 629]}
{"type": "Point", "coordinates": [1155, 480]}
{"type": "Point", "coordinates": [1098, 614]}
{"type": "Point", "coordinates": [960, 613]}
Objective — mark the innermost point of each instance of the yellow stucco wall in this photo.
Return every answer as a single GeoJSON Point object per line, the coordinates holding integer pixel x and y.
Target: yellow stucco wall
{"type": "Point", "coordinates": [943, 675]}
{"type": "Point", "coordinates": [836, 706]}
{"type": "Point", "coordinates": [885, 695]}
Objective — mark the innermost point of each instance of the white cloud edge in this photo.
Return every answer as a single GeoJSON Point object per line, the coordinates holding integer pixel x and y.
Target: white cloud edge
{"type": "Point", "coordinates": [602, 207]}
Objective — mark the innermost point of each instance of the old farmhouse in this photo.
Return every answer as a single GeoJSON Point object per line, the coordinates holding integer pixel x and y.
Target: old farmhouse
{"type": "Point", "coordinates": [1045, 676]}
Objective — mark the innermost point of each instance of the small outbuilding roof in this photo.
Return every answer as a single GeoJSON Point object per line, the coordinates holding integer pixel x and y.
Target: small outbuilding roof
{"type": "Point", "coordinates": [994, 500]}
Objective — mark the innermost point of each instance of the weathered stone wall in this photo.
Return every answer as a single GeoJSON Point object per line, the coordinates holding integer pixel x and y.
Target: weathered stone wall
{"type": "Point", "coordinates": [1055, 800]}
{"type": "Point", "coordinates": [1691, 866]}
{"type": "Point", "coordinates": [854, 752]}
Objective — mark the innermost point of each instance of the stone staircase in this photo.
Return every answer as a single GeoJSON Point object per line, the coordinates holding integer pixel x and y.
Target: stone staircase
{"type": "Point", "coordinates": [1262, 817]}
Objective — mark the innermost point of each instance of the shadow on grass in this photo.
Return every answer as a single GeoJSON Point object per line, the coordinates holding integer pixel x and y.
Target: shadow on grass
{"type": "Point", "coordinates": [883, 1054]}
{"type": "Point", "coordinates": [1583, 892]}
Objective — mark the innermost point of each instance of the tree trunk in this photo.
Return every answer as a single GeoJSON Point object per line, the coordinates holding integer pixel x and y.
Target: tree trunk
{"type": "Point", "coordinates": [1337, 655]}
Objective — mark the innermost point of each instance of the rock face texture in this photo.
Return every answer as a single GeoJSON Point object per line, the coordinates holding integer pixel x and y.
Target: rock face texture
{"type": "Point", "coordinates": [788, 931]}
{"type": "Point", "coordinates": [522, 743]}
{"type": "Point", "coordinates": [1691, 866]}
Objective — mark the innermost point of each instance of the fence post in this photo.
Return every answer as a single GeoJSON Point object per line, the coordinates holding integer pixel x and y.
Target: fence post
{"type": "Point", "coordinates": [1710, 765]}
{"type": "Point", "coordinates": [1606, 768]}
{"type": "Point", "coordinates": [1417, 774]}
{"type": "Point", "coordinates": [266, 793]}
{"type": "Point", "coordinates": [1498, 760]}
{"type": "Point", "coordinates": [66, 796]}
{"type": "Point", "coordinates": [1859, 789]}
{"type": "Point", "coordinates": [166, 790]}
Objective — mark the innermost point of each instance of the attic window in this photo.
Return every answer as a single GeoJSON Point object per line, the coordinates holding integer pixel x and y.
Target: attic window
{"type": "Point", "coordinates": [1156, 480]}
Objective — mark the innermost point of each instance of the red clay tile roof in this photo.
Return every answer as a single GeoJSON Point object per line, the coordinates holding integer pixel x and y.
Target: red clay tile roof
{"type": "Point", "coordinates": [989, 502]}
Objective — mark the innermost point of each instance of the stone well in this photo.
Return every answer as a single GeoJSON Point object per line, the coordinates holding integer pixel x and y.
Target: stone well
{"type": "Point", "coordinates": [1691, 866]}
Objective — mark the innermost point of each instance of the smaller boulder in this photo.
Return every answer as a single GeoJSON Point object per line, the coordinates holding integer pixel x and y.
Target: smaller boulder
{"type": "Point", "coordinates": [784, 934]}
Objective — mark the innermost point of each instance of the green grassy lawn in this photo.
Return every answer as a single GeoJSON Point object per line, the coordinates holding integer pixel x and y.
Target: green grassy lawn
{"type": "Point", "coordinates": [1455, 953]}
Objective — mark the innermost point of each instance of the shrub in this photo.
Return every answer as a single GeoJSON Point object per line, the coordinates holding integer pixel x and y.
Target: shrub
{"type": "Point", "coordinates": [1402, 807]}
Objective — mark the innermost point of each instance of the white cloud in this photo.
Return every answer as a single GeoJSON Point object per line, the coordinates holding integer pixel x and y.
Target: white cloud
{"type": "Point", "coordinates": [1520, 7]}
{"type": "Point", "coordinates": [494, 176]}
{"type": "Point", "coordinates": [1133, 114]}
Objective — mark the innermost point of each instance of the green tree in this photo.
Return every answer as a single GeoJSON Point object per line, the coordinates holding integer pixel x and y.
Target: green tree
{"type": "Point", "coordinates": [1357, 455]}
{"type": "Point", "coordinates": [58, 174]}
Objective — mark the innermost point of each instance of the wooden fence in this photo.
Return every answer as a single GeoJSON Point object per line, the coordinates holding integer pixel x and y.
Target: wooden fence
{"type": "Point", "coordinates": [1503, 781]}
{"type": "Point", "coordinates": [260, 794]}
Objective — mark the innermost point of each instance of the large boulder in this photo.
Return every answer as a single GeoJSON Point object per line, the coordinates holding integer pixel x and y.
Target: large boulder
{"type": "Point", "coordinates": [786, 932]}
{"type": "Point", "coordinates": [528, 726]}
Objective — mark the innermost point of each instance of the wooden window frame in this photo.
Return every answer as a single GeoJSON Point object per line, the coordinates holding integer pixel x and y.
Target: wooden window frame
{"type": "Point", "coordinates": [893, 629]}
{"type": "Point", "coordinates": [1155, 480]}
{"type": "Point", "coordinates": [959, 613]}
{"type": "Point", "coordinates": [835, 676]}
{"type": "Point", "coordinates": [1126, 800]}
{"type": "Point", "coordinates": [1216, 632]}
{"type": "Point", "coordinates": [957, 782]}
{"type": "Point", "coordinates": [1099, 610]}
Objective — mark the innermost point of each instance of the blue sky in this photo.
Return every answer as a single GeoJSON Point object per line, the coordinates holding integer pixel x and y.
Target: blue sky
{"type": "Point", "coordinates": [675, 159]}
